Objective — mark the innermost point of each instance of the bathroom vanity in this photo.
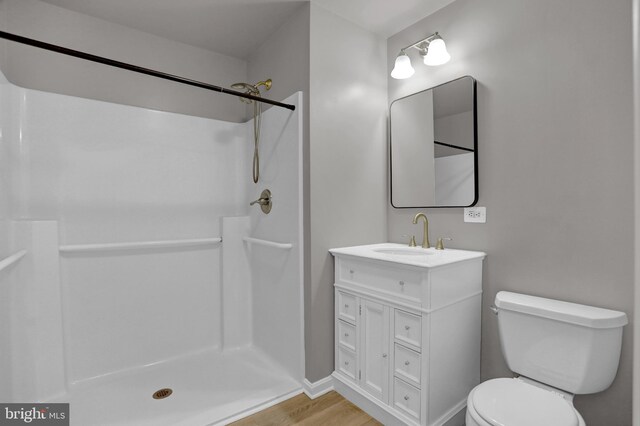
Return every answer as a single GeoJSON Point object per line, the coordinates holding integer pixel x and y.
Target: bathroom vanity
{"type": "Point", "coordinates": [407, 330]}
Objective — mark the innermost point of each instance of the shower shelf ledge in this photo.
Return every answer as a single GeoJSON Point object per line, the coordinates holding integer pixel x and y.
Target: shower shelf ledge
{"type": "Point", "coordinates": [5, 263]}
{"type": "Point", "coordinates": [84, 248]}
{"type": "Point", "coordinates": [284, 246]}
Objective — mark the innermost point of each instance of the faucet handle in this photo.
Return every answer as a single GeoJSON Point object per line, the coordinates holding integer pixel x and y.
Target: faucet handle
{"type": "Point", "coordinates": [265, 201]}
{"type": "Point", "coordinates": [440, 243]}
{"type": "Point", "coordinates": [412, 241]}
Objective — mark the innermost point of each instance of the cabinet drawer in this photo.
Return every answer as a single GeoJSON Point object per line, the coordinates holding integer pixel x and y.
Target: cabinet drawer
{"type": "Point", "coordinates": [347, 307]}
{"type": "Point", "coordinates": [406, 398]}
{"type": "Point", "coordinates": [408, 328]}
{"type": "Point", "coordinates": [407, 364]}
{"type": "Point", "coordinates": [347, 362]}
{"type": "Point", "coordinates": [347, 335]}
{"type": "Point", "coordinates": [397, 281]}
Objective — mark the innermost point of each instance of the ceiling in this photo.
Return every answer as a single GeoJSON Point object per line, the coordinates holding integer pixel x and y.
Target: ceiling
{"type": "Point", "coordinates": [236, 27]}
{"type": "Point", "coordinates": [383, 17]}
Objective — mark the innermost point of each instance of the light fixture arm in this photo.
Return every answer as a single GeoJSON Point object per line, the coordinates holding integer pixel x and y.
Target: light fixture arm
{"type": "Point", "coordinates": [422, 44]}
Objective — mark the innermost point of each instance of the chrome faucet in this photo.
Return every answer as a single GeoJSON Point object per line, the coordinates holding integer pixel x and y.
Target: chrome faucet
{"type": "Point", "coordinates": [425, 235]}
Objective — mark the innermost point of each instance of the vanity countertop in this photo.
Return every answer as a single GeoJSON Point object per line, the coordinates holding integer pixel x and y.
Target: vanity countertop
{"type": "Point", "coordinates": [413, 256]}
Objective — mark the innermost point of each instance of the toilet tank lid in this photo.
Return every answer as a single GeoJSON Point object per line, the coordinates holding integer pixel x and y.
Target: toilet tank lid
{"type": "Point", "coordinates": [587, 316]}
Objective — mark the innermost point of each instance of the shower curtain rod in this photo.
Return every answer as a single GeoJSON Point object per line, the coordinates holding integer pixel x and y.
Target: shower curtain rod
{"type": "Point", "coordinates": [138, 69]}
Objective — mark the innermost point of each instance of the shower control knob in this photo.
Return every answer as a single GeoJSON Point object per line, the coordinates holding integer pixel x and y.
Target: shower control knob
{"type": "Point", "coordinates": [265, 201]}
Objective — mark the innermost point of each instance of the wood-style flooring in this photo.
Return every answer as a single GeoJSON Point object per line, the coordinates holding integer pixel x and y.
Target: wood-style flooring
{"type": "Point", "coordinates": [330, 409]}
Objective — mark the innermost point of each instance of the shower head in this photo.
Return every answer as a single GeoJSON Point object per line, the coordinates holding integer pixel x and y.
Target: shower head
{"type": "Point", "coordinates": [248, 88]}
{"type": "Point", "coordinates": [244, 86]}
{"type": "Point", "coordinates": [251, 89]}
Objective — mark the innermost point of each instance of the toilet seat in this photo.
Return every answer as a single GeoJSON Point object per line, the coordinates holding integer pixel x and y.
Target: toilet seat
{"type": "Point", "coordinates": [507, 402]}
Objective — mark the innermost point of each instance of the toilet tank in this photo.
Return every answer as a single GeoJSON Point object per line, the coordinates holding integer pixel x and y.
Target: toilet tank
{"type": "Point", "coordinates": [572, 347]}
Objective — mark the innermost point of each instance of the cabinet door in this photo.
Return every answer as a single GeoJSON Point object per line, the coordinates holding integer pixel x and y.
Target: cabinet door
{"type": "Point", "coordinates": [374, 345]}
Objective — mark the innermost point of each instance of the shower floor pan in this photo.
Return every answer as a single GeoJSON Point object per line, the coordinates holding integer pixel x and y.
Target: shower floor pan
{"type": "Point", "coordinates": [209, 388]}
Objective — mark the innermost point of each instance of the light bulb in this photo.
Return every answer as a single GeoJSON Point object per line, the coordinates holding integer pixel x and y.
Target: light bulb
{"type": "Point", "coordinates": [437, 53]}
{"type": "Point", "coordinates": [402, 68]}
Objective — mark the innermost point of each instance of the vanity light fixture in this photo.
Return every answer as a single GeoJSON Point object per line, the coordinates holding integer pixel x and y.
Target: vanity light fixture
{"type": "Point", "coordinates": [402, 68]}
{"type": "Point", "coordinates": [432, 49]}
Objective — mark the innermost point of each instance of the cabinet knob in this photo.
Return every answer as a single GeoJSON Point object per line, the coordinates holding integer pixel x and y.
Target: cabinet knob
{"type": "Point", "coordinates": [346, 334]}
{"type": "Point", "coordinates": [384, 355]}
{"type": "Point", "coordinates": [401, 282]}
{"type": "Point", "coordinates": [406, 363]}
{"type": "Point", "coordinates": [346, 306]}
{"type": "Point", "coordinates": [406, 327]}
{"type": "Point", "coordinates": [351, 271]}
{"type": "Point", "coordinates": [346, 363]}
{"type": "Point", "coordinates": [406, 397]}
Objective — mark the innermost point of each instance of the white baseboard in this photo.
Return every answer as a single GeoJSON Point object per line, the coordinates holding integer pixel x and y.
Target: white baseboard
{"type": "Point", "coordinates": [316, 389]}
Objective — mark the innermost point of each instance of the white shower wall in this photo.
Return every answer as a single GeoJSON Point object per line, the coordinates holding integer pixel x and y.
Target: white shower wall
{"type": "Point", "coordinates": [94, 172]}
{"type": "Point", "coordinates": [277, 273]}
{"type": "Point", "coordinates": [139, 174]}
{"type": "Point", "coordinates": [111, 173]}
{"type": "Point", "coordinates": [6, 277]}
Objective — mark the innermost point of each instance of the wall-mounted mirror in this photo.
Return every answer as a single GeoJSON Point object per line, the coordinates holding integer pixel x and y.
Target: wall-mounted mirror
{"type": "Point", "coordinates": [434, 147]}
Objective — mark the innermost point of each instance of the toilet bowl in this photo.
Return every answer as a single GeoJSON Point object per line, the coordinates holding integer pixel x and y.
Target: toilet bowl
{"type": "Point", "coordinates": [558, 349]}
{"type": "Point", "coordinates": [519, 402]}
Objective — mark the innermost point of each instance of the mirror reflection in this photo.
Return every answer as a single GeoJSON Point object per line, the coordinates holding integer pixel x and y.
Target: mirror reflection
{"type": "Point", "coordinates": [433, 156]}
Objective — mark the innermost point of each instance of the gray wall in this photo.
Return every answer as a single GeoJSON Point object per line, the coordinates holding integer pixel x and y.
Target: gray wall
{"type": "Point", "coordinates": [555, 159]}
{"type": "Point", "coordinates": [52, 72]}
{"type": "Point", "coordinates": [636, 74]}
{"type": "Point", "coordinates": [3, 45]}
{"type": "Point", "coordinates": [347, 163]}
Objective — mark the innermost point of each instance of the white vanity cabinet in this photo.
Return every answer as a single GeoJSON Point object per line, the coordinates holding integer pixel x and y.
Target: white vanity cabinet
{"type": "Point", "coordinates": [407, 330]}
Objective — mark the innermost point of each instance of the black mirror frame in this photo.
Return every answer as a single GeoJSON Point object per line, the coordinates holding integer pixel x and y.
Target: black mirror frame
{"type": "Point", "coordinates": [475, 147]}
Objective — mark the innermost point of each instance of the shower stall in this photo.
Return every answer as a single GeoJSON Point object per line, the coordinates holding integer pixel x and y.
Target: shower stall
{"type": "Point", "coordinates": [136, 282]}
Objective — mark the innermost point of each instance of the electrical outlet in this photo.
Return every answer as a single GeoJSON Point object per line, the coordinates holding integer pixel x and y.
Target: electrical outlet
{"type": "Point", "coordinates": [475, 214]}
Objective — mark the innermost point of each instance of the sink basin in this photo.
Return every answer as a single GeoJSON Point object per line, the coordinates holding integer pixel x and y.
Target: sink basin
{"type": "Point", "coordinates": [413, 251]}
{"type": "Point", "coordinates": [414, 256]}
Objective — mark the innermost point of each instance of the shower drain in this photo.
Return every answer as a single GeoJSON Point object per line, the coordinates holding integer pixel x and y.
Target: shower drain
{"type": "Point", "coordinates": [162, 393]}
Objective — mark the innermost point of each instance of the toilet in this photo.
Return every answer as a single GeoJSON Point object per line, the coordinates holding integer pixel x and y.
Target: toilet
{"type": "Point", "coordinates": [558, 350]}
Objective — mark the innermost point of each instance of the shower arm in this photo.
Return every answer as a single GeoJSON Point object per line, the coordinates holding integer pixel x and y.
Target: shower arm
{"type": "Point", "coordinates": [135, 68]}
